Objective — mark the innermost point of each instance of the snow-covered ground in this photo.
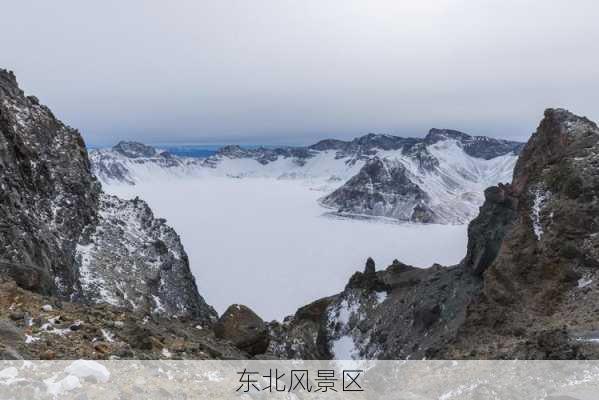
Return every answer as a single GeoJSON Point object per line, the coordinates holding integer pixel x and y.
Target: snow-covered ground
{"type": "Point", "coordinates": [265, 243]}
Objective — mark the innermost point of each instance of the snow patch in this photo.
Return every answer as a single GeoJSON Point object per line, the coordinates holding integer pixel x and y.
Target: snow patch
{"type": "Point", "coordinates": [381, 296]}
{"type": "Point", "coordinates": [582, 282]}
{"type": "Point", "coordinates": [540, 199]}
{"type": "Point", "coordinates": [344, 348]}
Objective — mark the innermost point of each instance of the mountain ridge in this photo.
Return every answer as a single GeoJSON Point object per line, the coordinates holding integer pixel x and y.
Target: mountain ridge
{"type": "Point", "coordinates": [446, 170]}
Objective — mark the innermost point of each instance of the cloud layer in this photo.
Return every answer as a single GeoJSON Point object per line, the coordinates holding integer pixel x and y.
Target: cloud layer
{"type": "Point", "coordinates": [283, 71]}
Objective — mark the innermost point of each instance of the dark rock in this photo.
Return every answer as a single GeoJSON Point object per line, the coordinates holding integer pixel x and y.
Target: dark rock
{"type": "Point", "coordinates": [134, 149]}
{"type": "Point", "coordinates": [426, 316]}
{"type": "Point", "coordinates": [75, 245]}
{"type": "Point", "coordinates": [379, 189]}
{"type": "Point", "coordinates": [10, 333]}
{"type": "Point", "coordinates": [314, 311]}
{"type": "Point", "coordinates": [244, 329]}
{"type": "Point", "coordinates": [17, 316]}
{"type": "Point", "coordinates": [370, 266]}
{"type": "Point", "coordinates": [486, 232]}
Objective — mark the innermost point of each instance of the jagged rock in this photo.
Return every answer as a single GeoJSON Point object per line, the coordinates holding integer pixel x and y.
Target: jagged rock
{"type": "Point", "coordinates": [486, 232]}
{"type": "Point", "coordinates": [370, 267]}
{"type": "Point", "coordinates": [244, 329]}
{"type": "Point", "coordinates": [61, 235]}
{"type": "Point", "coordinates": [131, 259]}
{"type": "Point", "coordinates": [48, 194]}
{"type": "Point", "coordinates": [531, 285]}
{"type": "Point", "coordinates": [526, 289]}
{"type": "Point", "coordinates": [134, 149]}
{"type": "Point", "coordinates": [381, 188]}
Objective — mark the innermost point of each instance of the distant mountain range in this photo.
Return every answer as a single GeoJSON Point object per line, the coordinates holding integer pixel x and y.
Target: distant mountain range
{"type": "Point", "coordinates": [436, 179]}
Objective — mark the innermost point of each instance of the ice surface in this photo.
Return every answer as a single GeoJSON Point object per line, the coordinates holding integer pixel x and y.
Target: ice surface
{"type": "Point", "coordinates": [265, 243]}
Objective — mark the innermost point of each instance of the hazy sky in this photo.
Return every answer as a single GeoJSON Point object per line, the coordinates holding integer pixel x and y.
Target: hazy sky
{"type": "Point", "coordinates": [283, 71]}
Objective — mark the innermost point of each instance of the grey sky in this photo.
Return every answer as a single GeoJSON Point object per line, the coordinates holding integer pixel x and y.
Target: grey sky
{"type": "Point", "coordinates": [283, 71]}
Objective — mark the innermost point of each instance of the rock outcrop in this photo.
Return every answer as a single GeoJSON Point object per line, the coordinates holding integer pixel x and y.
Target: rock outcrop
{"type": "Point", "coordinates": [48, 194]}
{"type": "Point", "coordinates": [131, 259]}
{"type": "Point", "coordinates": [382, 188]}
{"type": "Point", "coordinates": [540, 292]}
{"type": "Point", "coordinates": [61, 235]}
{"type": "Point", "coordinates": [242, 327]}
{"type": "Point", "coordinates": [527, 288]}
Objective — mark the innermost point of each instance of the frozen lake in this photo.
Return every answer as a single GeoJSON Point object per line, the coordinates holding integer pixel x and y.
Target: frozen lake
{"type": "Point", "coordinates": [265, 243]}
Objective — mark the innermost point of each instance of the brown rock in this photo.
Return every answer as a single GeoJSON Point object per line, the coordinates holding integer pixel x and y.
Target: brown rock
{"type": "Point", "coordinates": [101, 347]}
{"type": "Point", "coordinates": [48, 355]}
{"type": "Point", "coordinates": [244, 329]}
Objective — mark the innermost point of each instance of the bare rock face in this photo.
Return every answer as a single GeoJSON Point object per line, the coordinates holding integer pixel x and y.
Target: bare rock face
{"type": "Point", "coordinates": [134, 149]}
{"type": "Point", "coordinates": [131, 259]}
{"type": "Point", "coordinates": [61, 235]}
{"type": "Point", "coordinates": [540, 291]}
{"type": "Point", "coordinates": [47, 196]}
{"type": "Point", "coordinates": [487, 231]}
{"type": "Point", "coordinates": [382, 188]}
{"type": "Point", "coordinates": [527, 288]}
{"type": "Point", "coordinates": [244, 329]}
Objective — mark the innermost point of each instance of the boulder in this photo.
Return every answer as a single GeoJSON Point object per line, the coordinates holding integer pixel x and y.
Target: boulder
{"type": "Point", "coordinates": [242, 327]}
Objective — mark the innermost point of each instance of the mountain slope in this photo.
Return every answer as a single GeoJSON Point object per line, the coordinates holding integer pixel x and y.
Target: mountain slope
{"type": "Point", "coordinates": [445, 182]}
{"type": "Point", "coordinates": [382, 188]}
{"type": "Point", "coordinates": [61, 235]}
{"type": "Point", "coordinates": [525, 290]}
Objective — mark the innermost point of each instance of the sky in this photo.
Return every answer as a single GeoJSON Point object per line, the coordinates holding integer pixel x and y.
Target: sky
{"type": "Point", "coordinates": [293, 72]}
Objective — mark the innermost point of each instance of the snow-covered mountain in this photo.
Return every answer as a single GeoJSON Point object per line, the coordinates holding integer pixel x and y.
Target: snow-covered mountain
{"type": "Point", "coordinates": [439, 178]}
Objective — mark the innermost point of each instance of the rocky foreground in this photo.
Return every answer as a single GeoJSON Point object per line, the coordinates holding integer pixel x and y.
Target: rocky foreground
{"type": "Point", "coordinates": [87, 275]}
{"type": "Point", "coordinates": [527, 288]}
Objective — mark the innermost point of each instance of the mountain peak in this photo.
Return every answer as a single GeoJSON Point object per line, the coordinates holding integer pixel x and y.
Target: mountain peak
{"type": "Point", "coordinates": [134, 149]}
{"type": "Point", "coordinates": [562, 137]}
{"type": "Point", "coordinates": [476, 146]}
{"type": "Point", "coordinates": [436, 134]}
{"type": "Point", "coordinates": [9, 85]}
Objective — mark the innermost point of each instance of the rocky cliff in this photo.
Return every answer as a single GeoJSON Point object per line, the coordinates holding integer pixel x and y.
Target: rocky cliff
{"type": "Point", "coordinates": [526, 288]}
{"type": "Point", "coordinates": [61, 235]}
{"type": "Point", "coordinates": [382, 188]}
